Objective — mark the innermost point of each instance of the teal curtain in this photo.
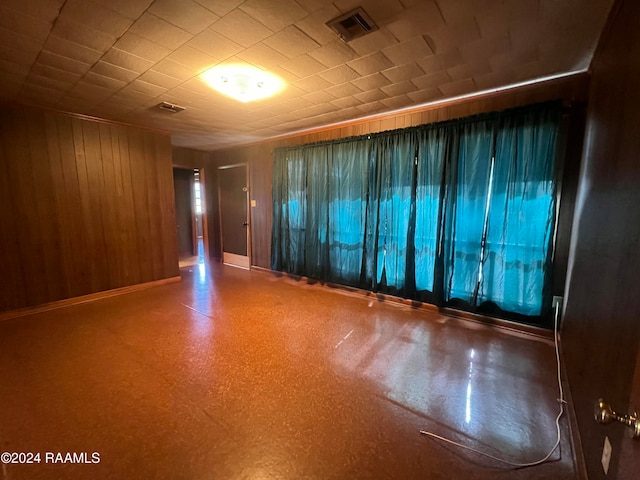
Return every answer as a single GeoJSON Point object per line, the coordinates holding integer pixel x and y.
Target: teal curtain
{"type": "Point", "coordinates": [456, 213]}
{"type": "Point", "coordinates": [466, 208]}
{"type": "Point", "coordinates": [392, 194]}
{"type": "Point", "coordinates": [347, 184]}
{"type": "Point", "coordinates": [521, 216]}
{"type": "Point", "coordinates": [434, 146]}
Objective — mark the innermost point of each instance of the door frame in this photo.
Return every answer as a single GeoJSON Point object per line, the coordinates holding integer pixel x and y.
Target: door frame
{"type": "Point", "coordinates": [241, 264]}
{"type": "Point", "coordinates": [203, 202]}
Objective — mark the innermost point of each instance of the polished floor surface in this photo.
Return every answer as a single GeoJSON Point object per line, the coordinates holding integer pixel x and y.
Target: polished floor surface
{"type": "Point", "coordinates": [235, 374]}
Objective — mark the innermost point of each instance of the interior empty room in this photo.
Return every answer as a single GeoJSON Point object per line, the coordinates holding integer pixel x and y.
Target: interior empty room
{"type": "Point", "coordinates": [315, 239]}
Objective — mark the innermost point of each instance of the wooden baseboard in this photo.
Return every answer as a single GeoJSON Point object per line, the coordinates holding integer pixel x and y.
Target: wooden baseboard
{"type": "Point", "coordinates": [45, 307]}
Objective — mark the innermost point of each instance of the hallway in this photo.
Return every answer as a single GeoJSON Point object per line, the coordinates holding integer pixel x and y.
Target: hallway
{"type": "Point", "coordinates": [235, 374]}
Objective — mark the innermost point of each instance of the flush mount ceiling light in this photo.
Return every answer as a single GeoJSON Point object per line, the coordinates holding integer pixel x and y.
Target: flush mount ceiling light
{"type": "Point", "coordinates": [244, 83]}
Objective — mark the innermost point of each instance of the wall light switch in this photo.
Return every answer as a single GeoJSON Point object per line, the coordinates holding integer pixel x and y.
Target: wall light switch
{"type": "Point", "coordinates": [606, 455]}
{"type": "Point", "coordinates": [253, 203]}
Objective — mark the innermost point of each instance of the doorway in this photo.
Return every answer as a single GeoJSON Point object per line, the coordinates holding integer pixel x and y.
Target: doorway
{"type": "Point", "coordinates": [233, 195]}
{"type": "Point", "coordinates": [191, 220]}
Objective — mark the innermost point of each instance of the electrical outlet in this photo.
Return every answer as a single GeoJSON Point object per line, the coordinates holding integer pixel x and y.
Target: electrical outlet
{"type": "Point", "coordinates": [606, 455]}
{"type": "Point", "coordinates": [556, 302]}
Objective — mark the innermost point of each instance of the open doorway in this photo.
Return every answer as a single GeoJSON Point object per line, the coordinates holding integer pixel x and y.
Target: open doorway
{"type": "Point", "coordinates": [191, 218]}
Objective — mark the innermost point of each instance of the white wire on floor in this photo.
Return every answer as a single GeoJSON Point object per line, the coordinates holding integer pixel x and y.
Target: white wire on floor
{"type": "Point", "coordinates": [561, 400]}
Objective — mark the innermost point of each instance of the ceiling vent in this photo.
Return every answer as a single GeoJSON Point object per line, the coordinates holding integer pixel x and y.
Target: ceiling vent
{"type": "Point", "coordinates": [170, 107]}
{"type": "Point", "coordinates": [352, 25]}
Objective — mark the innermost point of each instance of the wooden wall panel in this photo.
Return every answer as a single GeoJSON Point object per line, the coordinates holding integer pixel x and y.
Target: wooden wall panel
{"type": "Point", "coordinates": [601, 328]}
{"type": "Point", "coordinates": [258, 156]}
{"type": "Point", "coordinates": [85, 206]}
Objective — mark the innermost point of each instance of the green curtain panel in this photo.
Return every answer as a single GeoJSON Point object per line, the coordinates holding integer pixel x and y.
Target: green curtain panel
{"type": "Point", "coordinates": [456, 213]}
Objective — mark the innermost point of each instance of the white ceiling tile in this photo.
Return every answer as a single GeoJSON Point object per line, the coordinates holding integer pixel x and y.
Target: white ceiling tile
{"type": "Point", "coordinates": [314, 25]}
{"type": "Point", "coordinates": [408, 51]}
{"type": "Point", "coordinates": [312, 6]}
{"type": "Point", "coordinates": [343, 90]}
{"type": "Point", "coordinates": [433, 80]}
{"type": "Point", "coordinates": [455, 11]}
{"type": "Point", "coordinates": [141, 47]}
{"type": "Point", "coordinates": [333, 54]}
{"type": "Point", "coordinates": [160, 31]}
{"type": "Point", "coordinates": [113, 71]}
{"type": "Point", "coordinates": [472, 45]}
{"type": "Point", "coordinates": [186, 14]}
{"type": "Point", "coordinates": [454, 36]}
{"type": "Point", "coordinates": [373, 42]}
{"type": "Point", "coordinates": [144, 88]}
{"type": "Point", "coordinates": [425, 96]}
{"type": "Point", "coordinates": [371, 95]}
{"type": "Point", "coordinates": [18, 56]}
{"type": "Point", "coordinates": [376, 9]}
{"type": "Point", "coordinates": [241, 28]}
{"type": "Point", "coordinates": [285, 75]}
{"type": "Point", "coordinates": [195, 59]}
{"type": "Point", "coordinates": [214, 44]}
{"type": "Point", "coordinates": [403, 73]}
{"type": "Point", "coordinates": [458, 88]}
{"type": "Point", "coordinates": [220, 7]}
{"type": "Point", "coordinates": [340, 74]}
{"type": "Point", "coordinates": [262, 56]}
{"type": "Point", "coordinates": [20, 42]}
{"type": "Point", "coordinates": [468, 70]}
{"type": "Point", "coordinates": [314, 83]}
{"type": "Point", "coordinates": [318, 97]}
{"type": "Point", "coordinates": [103, 81]}
{"type": "Point", "coordinates": [486, 47]}
{"type": "Point", "coordinates": [32, 27]}
{"type": "Point", "coordinates": [128, 8]}
{"type": "Point", "coordinates": [50, 95]}
{"type": "Point", "coordinates": [126, 60]}
{"type": "Point", "coordinates": [63, 63]}
{"type": "Point", "coordinates": [88, 91]}
{"type": "Point", "coordinates": [55, 73]}
{"type": "Point", "coordinates": [315, 110]}
{"type": "Point", "coordinates": [65, 48]}
{"type": "Point", "coordinates": [274, 14]}
{"type": "Point", "coordinates": [371, 108]}
{"type": "Point", "coordinates": [44, 9]}
{"type": "Point", "coordinates": [14, 68]}
{"type": "Point", "coordinates": [416, 20]}
{"type": "Point", "coordinates": [375, 62]}
{"type": "Point", "coordinates": [291, 42]}
{"type": "Point", "coordinates": [442, 61]}
{"type": "Point", "coordinates": [400, 88]}
{"type": "Point", "coordinates": [346, 102]}
{"type": "Point", "coordinates": [398, 102]}
{"type": "Point", "coordinates": [173, 69]}
{"type": "Point", "coordinates": [83, 35]}
{"type": "Point", "coordinates": [160, 79]}
{"type": "Point", "coordinates": [303, 66]}
{"type": "Point", "coordinates": [94, 16]}
{"type": "Point", "coordinates": [370, 82]}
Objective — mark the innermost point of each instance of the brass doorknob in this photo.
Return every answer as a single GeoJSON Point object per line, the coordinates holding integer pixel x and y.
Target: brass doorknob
{"type": "Point", "coordinates": [604, 414]}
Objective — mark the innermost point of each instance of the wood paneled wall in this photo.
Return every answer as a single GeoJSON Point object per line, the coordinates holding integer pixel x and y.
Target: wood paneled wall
{"type": "Point", "coordinates": [85, 206]}
{"type": "Point", "coordinates": [601, 328]}
{"type": "Point", "coordinates": [572, 89]}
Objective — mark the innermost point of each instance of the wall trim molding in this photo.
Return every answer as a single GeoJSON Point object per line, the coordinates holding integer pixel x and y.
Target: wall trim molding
{"type": "Point", "coordinates": [91, 297]}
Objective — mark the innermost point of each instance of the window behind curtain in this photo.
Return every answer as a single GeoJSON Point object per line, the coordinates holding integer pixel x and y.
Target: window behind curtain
{"type": "Point", "coordinates": [460, 212]}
